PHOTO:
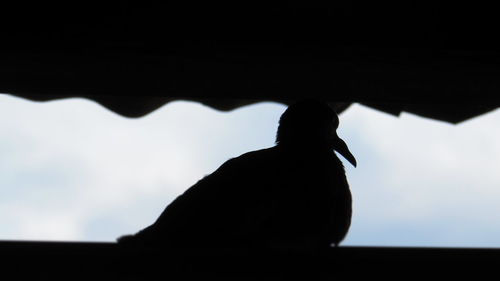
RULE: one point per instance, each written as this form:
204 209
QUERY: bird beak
341 147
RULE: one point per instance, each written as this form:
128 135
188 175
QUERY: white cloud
427 180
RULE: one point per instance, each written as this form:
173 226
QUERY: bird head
311 124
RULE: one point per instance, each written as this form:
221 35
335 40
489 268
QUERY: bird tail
127 240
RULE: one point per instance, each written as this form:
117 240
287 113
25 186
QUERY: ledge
95 260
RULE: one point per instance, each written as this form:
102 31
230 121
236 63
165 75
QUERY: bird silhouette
292 195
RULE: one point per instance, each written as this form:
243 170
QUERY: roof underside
435 59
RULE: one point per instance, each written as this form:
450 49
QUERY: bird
293 195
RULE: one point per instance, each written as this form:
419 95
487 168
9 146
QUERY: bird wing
213 210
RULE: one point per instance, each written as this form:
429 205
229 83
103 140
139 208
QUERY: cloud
424 182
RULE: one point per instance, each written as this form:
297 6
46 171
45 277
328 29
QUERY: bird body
286 196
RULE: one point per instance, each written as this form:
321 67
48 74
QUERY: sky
71 170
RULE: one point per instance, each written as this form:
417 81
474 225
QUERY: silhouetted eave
135 56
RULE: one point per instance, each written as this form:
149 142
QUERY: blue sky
72 170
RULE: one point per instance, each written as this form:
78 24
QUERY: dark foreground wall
107 261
